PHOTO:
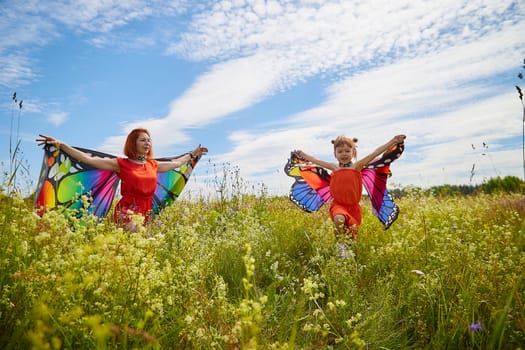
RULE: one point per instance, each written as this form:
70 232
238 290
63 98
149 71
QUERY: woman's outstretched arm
97 162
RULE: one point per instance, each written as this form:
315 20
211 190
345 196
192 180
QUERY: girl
346 181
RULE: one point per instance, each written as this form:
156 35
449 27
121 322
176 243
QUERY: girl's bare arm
380 150
321 163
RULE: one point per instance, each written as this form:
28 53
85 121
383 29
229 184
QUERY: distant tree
453 190
509 184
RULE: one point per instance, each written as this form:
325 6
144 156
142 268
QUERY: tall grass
254 272
15 176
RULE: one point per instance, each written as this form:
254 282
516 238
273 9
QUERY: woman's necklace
141 158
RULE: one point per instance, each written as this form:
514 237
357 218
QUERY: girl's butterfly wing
66 182
383 206
388 157
311 188
171 183
375 176
306 198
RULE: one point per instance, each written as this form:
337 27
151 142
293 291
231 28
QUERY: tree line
507 184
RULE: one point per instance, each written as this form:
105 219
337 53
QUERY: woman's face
143 144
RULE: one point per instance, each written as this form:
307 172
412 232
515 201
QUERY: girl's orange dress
346 186
138 183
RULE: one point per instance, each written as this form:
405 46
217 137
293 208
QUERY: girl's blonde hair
350 142
343 140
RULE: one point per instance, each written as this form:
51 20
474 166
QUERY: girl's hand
399 139
302 155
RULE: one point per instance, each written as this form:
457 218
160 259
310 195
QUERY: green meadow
255 272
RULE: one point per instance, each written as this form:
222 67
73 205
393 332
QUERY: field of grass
255 272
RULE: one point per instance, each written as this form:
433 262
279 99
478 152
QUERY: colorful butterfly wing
383 206
65 182
311 188
388 157
375 176
171 183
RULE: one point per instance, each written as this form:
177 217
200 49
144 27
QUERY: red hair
130 147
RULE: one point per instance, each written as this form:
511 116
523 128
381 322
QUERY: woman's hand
198 151
47 140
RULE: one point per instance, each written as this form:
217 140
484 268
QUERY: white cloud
15 70
105 16
282 45
29 25
444 103
340 34
57 118
226 88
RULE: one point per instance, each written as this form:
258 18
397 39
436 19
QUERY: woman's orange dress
137 186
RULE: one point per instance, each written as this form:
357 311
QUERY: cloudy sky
253 80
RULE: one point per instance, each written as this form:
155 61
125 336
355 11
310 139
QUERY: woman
137 172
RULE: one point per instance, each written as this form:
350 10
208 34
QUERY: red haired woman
138 172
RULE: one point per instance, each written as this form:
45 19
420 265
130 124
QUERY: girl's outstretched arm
322 163
380 150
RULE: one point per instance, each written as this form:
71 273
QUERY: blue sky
253 80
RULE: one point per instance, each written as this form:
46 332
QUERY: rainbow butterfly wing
311 188
171 183
375 176
65 182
